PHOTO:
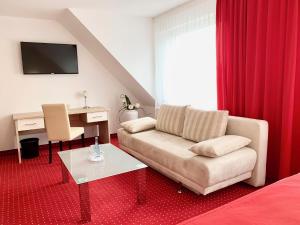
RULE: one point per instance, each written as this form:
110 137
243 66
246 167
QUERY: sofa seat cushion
172 152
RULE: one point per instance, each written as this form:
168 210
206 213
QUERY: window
186 56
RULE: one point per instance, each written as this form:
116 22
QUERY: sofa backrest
257 131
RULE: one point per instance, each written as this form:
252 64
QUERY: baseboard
88 141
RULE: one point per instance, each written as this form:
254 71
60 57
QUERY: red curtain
258 72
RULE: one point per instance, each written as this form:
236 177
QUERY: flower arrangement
127 105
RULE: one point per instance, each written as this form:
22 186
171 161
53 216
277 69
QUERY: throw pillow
220 146
202 125
170 119
138 125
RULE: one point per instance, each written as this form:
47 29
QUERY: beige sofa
169 154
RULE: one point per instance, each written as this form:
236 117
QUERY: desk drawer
96 117
31 124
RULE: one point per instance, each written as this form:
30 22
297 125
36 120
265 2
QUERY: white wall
128 38
20 93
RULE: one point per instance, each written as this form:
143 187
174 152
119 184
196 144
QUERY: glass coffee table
76 162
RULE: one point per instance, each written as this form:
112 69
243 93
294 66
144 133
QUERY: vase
129 115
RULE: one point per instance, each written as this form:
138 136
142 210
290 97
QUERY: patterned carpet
32 193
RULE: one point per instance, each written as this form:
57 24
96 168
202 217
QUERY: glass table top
83 170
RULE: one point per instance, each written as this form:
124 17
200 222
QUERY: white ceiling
51 9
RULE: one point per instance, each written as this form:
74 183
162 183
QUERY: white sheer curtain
185 60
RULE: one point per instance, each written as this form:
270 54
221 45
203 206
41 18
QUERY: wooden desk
33 122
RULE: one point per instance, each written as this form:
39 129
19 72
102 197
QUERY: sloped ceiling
88 39
128 38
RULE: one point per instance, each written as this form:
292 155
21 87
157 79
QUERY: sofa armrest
257 132
138 125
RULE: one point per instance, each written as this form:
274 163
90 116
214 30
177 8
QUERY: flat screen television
49 58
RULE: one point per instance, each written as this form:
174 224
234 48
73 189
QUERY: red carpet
32 193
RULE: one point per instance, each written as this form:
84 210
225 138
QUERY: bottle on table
97 147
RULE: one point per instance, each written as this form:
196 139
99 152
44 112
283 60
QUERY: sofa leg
179 188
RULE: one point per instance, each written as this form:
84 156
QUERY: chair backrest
57 122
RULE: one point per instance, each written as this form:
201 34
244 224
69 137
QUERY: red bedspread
276 204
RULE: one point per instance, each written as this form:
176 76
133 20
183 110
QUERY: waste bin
30 148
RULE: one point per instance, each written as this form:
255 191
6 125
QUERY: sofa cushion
202 125
170 119
138 125
220 146
172 152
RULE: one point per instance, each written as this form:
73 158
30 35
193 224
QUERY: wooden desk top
30 115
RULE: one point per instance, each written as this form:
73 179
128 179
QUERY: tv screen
48 58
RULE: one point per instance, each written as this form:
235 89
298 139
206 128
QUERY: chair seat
75 132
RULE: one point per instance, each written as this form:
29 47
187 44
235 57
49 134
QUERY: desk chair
58 126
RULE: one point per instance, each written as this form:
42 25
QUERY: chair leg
82 140
70 144
50 152
60 145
